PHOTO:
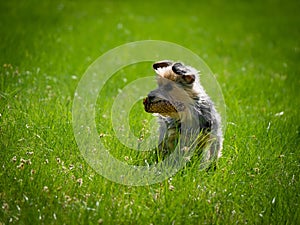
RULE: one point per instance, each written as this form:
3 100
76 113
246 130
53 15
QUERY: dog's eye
168 87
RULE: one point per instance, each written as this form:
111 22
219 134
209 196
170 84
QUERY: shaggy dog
188 119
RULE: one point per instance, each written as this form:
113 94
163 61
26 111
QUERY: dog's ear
185 72
179 69
189 79
161 64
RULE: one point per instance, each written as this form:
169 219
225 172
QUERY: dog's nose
151 97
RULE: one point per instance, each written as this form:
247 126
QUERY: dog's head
175 89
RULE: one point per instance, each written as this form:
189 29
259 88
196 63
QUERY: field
253 49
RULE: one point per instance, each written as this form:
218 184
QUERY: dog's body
187 115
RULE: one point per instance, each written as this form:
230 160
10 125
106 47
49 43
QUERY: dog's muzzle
161 106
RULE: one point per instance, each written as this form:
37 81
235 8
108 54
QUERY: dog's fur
195 121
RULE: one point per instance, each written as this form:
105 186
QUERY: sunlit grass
253 48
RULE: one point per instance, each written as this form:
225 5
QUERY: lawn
253 49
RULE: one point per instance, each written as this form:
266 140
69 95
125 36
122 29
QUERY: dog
187 117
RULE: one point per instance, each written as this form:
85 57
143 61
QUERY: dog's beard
163 107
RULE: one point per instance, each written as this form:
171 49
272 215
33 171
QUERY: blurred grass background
252 47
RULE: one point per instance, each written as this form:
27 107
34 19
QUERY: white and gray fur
180 85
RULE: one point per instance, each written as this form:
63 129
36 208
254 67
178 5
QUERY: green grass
254 50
